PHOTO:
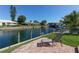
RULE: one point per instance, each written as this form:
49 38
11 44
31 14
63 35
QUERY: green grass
51 35
72 40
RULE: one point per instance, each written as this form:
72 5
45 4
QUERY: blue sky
51 13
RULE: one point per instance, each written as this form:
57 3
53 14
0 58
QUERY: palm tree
12 12
71 20
61 22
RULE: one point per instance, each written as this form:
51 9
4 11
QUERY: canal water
8 38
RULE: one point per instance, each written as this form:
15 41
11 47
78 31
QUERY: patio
32 48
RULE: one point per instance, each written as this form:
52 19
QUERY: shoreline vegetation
13 47
20 27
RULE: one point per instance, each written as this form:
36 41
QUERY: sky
50 13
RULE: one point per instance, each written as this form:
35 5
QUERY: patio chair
47 42
39 44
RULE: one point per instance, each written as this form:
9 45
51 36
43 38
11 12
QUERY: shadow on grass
69 34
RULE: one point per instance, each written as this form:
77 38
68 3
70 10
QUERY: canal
8 38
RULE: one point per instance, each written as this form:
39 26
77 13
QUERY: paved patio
32 48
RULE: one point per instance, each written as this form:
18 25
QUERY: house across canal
7 23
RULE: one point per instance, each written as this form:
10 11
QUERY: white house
7 22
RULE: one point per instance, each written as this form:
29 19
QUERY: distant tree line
22 18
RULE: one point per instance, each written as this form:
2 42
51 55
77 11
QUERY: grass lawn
72 40
51 35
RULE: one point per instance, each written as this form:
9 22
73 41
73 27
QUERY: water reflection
8 38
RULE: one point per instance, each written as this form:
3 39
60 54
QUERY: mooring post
18 37
31 33
40 31
46 30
